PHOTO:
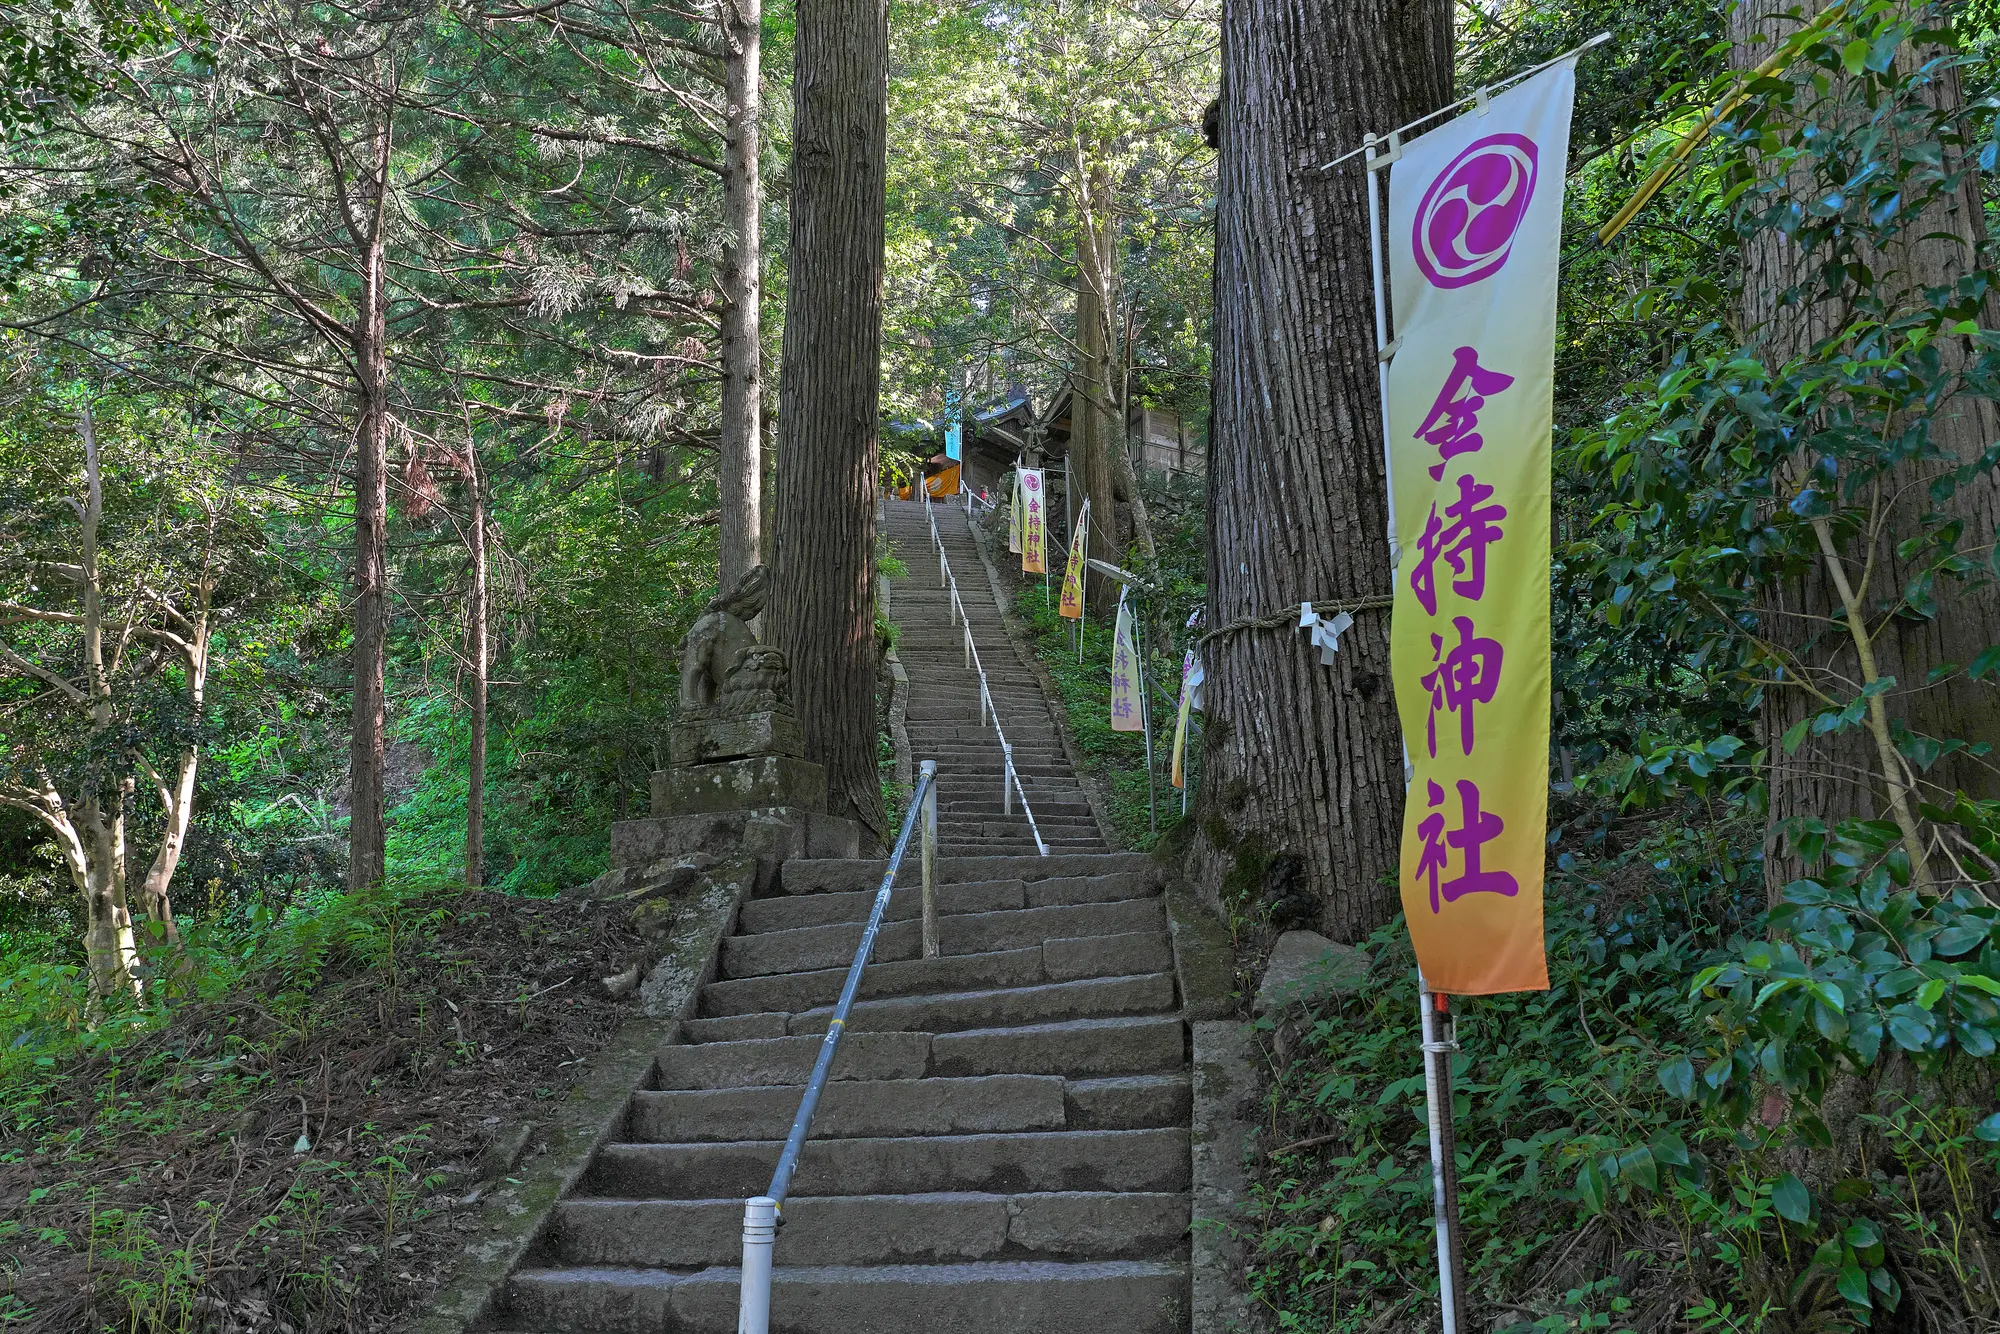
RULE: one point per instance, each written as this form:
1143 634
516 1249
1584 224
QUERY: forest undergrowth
1603 1183
300 1142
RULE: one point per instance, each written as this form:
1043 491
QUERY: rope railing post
761 1215
929 856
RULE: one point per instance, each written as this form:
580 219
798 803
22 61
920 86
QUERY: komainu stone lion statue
725 672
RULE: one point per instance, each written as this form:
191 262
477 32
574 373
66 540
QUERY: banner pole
1145 715
1444 1208
1082 540
1383 348
1437 1055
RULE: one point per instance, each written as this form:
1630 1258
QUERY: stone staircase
1005 1144
943 714
1004 1148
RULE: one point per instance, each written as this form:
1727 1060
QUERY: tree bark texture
1092 434
1304 763
110 949
823 609
476 651
739 470
1841 775
366 866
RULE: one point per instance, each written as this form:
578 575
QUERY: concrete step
815 947
1094 1160
996 1297
805 876
939 1227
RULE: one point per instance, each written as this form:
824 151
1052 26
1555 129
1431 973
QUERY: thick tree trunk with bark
739 469
1304 762
823 610
1093 438
1842 775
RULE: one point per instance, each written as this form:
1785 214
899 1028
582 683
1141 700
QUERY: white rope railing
1010 779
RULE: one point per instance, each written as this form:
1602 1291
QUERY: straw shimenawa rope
1290 615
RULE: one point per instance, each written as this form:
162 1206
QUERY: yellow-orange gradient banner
1072 589
1475 214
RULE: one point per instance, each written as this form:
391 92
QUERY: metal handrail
760 1215
1010 778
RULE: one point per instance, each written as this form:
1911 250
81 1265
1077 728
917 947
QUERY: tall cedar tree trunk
1092 438
823 611
476 651
739 467
1841 775
1304 762
366 841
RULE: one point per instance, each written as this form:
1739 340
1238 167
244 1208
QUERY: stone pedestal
736 785
770 836
699 740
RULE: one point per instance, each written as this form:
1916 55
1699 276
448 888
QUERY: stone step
977 896
1046 806
962 798
953 1012
964 760
810 875
852 1109
963 768
875 1109
939 1227
792 992
785 914
1055 960
1015 826
996 1297
1024 846
1073 1048
714 1065
1007 688
1144 1160
813 947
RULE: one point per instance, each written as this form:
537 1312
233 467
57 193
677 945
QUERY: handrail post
760 1234
968 645
930 824
1007 778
